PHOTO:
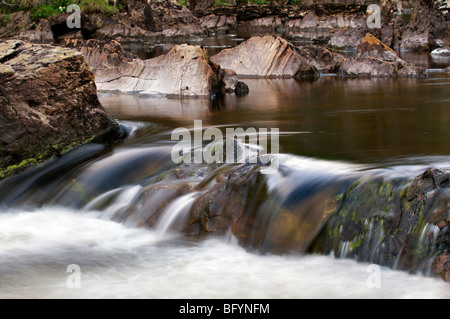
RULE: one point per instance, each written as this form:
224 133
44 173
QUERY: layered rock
375 59
185 71
48 105
266 56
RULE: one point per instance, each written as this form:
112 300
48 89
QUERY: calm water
328 127
376 121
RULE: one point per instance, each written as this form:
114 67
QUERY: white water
119 262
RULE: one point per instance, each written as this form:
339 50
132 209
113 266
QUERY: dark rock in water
241 89
375 59
49 105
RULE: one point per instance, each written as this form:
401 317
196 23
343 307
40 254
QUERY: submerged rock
375 59
49 104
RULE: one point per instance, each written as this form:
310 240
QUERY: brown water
372 121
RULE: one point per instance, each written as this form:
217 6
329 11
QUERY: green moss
4 18
14 169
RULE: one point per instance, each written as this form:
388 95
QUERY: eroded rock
266 56
375 59
48 104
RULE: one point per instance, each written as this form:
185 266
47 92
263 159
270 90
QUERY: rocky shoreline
416 26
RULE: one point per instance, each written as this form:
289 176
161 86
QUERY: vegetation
45 9
4 18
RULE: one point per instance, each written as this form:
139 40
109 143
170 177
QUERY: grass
4 18
40 9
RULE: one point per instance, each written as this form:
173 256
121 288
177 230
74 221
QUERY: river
63 233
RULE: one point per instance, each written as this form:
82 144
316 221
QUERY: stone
441 52
323 59
185 71
265 56
49 105
375 59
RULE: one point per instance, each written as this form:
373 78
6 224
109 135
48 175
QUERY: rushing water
87 208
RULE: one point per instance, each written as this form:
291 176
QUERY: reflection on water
368 120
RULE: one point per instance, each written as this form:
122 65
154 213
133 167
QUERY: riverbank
415 25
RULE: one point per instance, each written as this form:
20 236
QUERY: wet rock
214 22
241 89
230 80
375 59
396 222
185 71
427 29
441 266
323 59
49 104
267 56
441 52
231 204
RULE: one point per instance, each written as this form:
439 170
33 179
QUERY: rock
149 19
49 105
375 59
267 56
214 22
427 28
100 55
323 59
200 7
393 222
441 52
185 71
230 80
241 89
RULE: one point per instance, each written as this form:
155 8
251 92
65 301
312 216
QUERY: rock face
48 105
185 71
147 20
266 56
394 222
375 59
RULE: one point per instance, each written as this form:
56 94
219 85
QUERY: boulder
265 56
49 105
323 59
185 71
375 59
394 222
444 52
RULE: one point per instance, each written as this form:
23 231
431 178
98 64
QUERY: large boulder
266 56
375 59
185 71
49 104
